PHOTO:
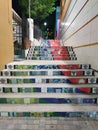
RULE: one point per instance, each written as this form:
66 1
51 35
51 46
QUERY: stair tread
48 108
46 77
27 70
47 95
58 85
45 62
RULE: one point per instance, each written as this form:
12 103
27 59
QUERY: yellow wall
6 34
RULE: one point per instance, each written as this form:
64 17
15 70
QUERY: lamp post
29 9
45 31
30 21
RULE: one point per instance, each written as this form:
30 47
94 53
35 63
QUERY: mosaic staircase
49 83
50 50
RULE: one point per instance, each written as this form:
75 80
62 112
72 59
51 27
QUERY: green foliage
40 9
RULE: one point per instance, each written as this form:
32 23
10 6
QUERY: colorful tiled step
51 72
51 58
51 50
28 100
52 47
48 90
54 55
83 115
49 66
42 79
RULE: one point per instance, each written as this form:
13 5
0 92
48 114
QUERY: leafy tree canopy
40 9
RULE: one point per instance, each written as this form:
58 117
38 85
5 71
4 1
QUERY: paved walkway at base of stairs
49 123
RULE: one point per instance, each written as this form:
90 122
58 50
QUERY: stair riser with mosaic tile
48 80
51 53
83 115
59 66
48 73
51 58
51 49
48 100
48 90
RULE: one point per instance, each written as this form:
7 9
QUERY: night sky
15 6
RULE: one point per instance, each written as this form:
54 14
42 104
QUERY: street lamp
45 24
45 32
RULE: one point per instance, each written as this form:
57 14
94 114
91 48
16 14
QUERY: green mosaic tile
34 58
3 100
15 100
21 73
26 114
24 67
34 100
20 90
15 81
26 90
7 90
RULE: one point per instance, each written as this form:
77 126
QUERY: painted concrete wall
80 30
6 34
